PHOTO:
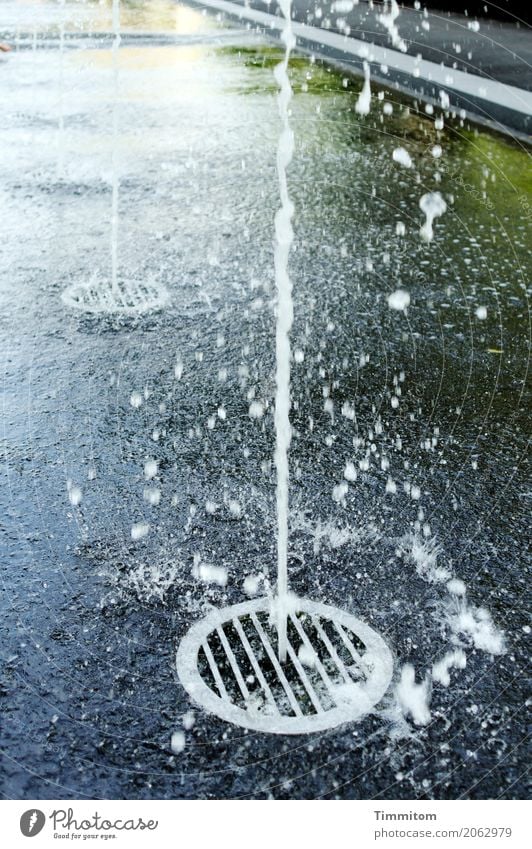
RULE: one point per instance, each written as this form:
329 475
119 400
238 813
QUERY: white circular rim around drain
377 661
97 297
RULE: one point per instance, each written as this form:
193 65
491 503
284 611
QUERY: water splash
363 103
433 205
402 156
414 698
387 19
283 240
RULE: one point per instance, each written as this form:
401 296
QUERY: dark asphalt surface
90 619
496 50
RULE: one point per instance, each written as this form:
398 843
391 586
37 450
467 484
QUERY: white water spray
283 240
114 167
387 18
61 117
127 297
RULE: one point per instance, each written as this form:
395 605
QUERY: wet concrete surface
90 618
414 53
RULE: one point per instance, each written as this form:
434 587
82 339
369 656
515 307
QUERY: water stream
61 105
115 178
285 313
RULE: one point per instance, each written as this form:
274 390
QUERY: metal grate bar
255 664
350 648
276 665
332 651
215 671
313 696
232 660
319 666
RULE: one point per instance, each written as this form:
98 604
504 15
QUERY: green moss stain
306 77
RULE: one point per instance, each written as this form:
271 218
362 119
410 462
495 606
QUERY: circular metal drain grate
337 667
133 298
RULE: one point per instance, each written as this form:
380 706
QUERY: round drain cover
337 667
130 297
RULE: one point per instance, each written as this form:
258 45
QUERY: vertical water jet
114 164
61 104
298 691
283 240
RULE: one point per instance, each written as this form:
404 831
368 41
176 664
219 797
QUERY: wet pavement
480 68
476 44
91 618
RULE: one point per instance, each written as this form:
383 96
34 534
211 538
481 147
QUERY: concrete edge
500 107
